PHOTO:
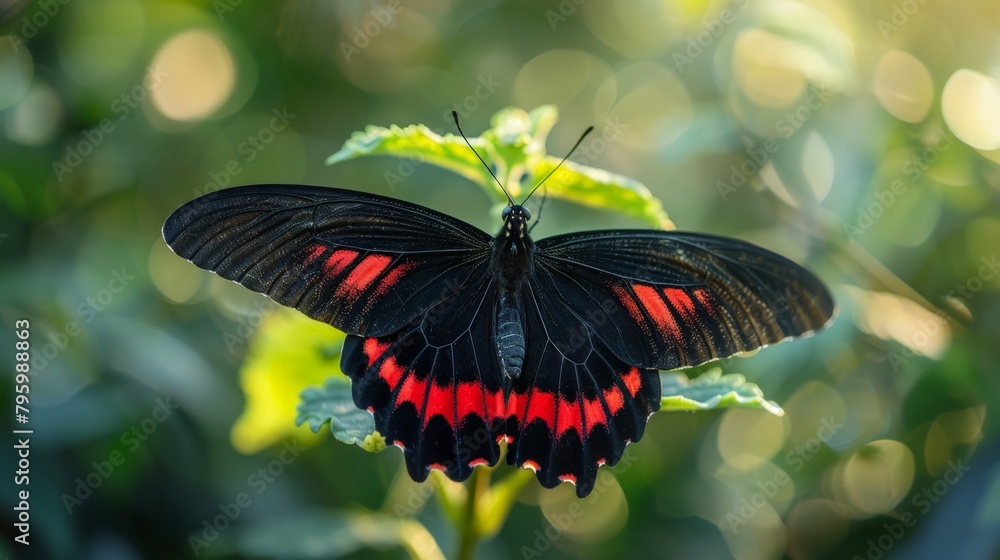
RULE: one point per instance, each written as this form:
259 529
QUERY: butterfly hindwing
363 263
434 390
575 405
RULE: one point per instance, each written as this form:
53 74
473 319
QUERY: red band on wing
374 350
392 278
705 298
633 381
440 402
681 300
614 399
471 400
593 413
542 405
629 303
362 276
657 309
391 372
338 261
313 252
569 417
412 391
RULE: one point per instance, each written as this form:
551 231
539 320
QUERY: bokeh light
877 477
904 86
198 76
971 105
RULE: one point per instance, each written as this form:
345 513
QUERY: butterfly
459 341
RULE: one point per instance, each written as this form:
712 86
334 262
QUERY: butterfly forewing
665 300
363 263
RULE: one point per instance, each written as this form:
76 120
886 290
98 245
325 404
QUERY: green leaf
602 189
515 146
422 144
288 351
333 403
711 390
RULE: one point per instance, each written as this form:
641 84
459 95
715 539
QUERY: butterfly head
515 221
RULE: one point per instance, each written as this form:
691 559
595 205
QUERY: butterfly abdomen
510 336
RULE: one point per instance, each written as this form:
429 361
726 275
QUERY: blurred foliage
859 138
289 352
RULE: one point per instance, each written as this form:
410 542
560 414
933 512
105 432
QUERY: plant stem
469 538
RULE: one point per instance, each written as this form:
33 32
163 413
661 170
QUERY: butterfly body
460 341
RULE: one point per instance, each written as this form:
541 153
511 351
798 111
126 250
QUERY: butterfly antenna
538 217
554 169
454 115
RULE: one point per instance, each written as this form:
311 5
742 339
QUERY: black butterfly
459 340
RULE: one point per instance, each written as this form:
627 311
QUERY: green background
859 138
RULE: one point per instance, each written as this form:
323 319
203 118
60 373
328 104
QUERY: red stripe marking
633 381
363 275
657 309
705 299
437 467
515 405
374 349
602 462
569 417
471 400
495 406
529 464
630 305
392 278
479 463
440 402
338 261
391 372
681 300
412 391
614 399
399 444
315 251
593 413
542 404
571 478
